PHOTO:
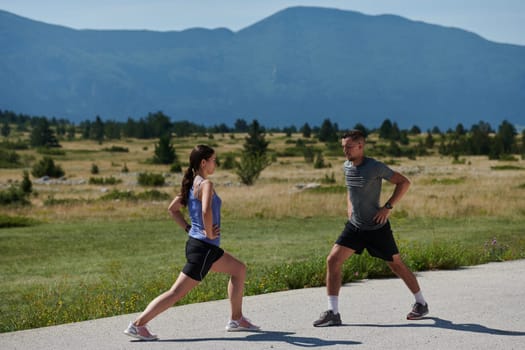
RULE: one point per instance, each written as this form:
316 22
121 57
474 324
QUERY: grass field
87 258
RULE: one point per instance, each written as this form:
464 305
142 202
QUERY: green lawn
58 273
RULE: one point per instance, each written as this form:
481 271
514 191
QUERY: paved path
481 307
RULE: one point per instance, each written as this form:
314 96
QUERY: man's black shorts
199 258
379 243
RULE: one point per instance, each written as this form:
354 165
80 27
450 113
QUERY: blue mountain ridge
302 64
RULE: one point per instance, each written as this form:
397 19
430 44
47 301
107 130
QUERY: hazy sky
496 20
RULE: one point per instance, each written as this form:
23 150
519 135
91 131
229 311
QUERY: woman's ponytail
199 153
187 182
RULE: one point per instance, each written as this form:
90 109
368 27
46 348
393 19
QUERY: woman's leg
180 288
237 271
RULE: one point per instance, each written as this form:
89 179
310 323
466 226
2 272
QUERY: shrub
506 167
229 161
176 167
308 153
18 145
250 167
94 169
151 179
319 161
9 159
62 201
116 149
26 186
51 151
17 194
13 195
118 195
153 195
47 167
104 180
329 179
16 221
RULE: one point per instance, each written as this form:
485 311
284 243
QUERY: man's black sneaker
328 318
418 311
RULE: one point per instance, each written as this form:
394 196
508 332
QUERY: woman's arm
207 213
176 214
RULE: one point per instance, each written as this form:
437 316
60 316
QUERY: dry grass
439 188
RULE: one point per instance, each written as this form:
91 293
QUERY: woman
202 248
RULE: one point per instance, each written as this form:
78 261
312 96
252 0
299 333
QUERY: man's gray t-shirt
364 188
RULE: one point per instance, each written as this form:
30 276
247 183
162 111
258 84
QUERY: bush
151 179
13 195
50 151
18 145
308 154
94 169
116 149
9 159
152 195
16 221
250 167
319 161
47 167
17 194
104 180
176 167
26 186
229 161
118 195
51 200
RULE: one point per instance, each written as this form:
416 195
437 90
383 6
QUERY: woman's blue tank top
197 224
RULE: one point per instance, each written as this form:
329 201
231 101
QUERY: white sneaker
140 332
243 324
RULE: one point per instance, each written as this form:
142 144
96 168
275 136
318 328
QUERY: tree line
480 139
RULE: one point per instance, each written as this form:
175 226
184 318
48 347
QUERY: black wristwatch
388 205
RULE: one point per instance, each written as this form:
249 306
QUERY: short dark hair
354 135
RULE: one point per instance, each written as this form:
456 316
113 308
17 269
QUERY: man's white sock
419 298
333 303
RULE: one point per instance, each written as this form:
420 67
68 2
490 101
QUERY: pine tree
42 135
164 151
254 159
328 132
26 186
6 129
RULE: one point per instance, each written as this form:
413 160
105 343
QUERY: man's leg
402 271
420 307
334 264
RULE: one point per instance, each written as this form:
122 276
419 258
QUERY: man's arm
401 187
349 207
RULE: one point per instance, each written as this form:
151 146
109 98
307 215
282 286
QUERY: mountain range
302 64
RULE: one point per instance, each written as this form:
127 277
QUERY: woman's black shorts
199 258
379 243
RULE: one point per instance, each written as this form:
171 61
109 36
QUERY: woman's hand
216 232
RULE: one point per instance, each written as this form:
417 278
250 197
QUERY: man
368 226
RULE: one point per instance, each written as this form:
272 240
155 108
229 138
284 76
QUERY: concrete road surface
480 307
